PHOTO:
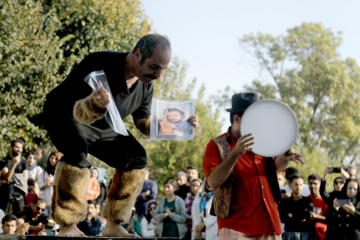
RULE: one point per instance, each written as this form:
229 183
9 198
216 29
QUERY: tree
308 74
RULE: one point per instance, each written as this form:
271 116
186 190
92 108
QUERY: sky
205 34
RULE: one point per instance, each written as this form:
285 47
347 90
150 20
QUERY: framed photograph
169 120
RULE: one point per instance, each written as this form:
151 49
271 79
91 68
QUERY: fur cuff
68 204
85 111
125 187
145 126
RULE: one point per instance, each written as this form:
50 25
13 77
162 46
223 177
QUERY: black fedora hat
241 101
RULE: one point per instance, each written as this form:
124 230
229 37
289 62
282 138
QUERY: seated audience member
171 213
289 173
183 187
344 214
35 216
319 207
9 224
31 196
34 170
93 191
338 185
148 192
133 225
148 223
92 225
204 225
296 212
195 188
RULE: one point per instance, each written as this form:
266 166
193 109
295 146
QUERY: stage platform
33 237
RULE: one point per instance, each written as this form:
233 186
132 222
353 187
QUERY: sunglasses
337 182
39 208
151 208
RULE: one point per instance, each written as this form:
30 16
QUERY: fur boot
85 111
68 203
125 187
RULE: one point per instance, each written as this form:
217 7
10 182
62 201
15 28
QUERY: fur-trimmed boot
125 187
68 203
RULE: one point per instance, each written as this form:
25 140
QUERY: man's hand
243 144
101 98
145 194
292 155
194 121
16 160
22 228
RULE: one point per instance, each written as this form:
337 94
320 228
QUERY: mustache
153 77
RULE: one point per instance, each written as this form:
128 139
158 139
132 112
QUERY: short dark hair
314 176
17 141
91 202
149 42
8 218
173 183
291 171
296 176
192 167
39 200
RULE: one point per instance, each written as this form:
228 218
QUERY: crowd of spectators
307 211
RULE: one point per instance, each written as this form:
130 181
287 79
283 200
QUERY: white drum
273 125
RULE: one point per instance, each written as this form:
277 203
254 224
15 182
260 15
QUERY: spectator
195 188
2 214
280 179
9 224
31 196
344 214
92 225
93 191
183 187
34 170
171 213
35 216
204 225
12 197
133 225
351 171
148 193
319 207
148 223
338 185
289 173
46 179
296 212
102 181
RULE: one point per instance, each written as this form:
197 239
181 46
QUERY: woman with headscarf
344 214
46 179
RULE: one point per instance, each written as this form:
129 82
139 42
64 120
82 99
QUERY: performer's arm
143 125
91 108
219 175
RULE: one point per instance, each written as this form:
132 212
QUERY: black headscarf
49 168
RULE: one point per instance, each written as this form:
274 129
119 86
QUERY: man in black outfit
74 119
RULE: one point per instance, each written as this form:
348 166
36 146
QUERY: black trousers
75 141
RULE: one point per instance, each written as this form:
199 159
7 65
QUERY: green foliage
41 42
308 74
